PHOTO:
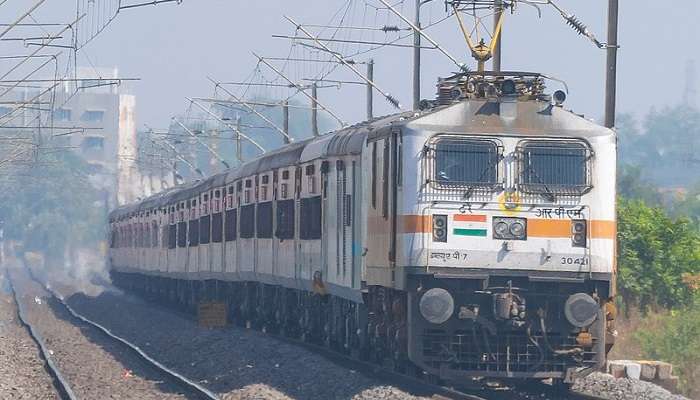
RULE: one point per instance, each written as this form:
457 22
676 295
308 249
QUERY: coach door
217 232
381 215
310 223
344 200
264 226
230 231
153 240
172 239
193 235
181 252
246 234
204 232
285 223
163 244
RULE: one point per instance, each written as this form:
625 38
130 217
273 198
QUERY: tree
53 207
631 185
654 252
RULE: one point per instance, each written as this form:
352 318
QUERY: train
474 238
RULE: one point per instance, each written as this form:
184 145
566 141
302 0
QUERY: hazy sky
172 48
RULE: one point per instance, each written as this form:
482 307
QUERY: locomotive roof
473 116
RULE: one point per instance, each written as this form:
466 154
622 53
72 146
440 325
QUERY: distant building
109 143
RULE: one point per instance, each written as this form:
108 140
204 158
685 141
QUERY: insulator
577 25
390 28
392 100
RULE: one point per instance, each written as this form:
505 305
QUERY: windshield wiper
548 194
472 187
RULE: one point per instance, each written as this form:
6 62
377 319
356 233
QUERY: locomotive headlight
507 228
501 229
437 305
579 230
439 228
581 310
517 229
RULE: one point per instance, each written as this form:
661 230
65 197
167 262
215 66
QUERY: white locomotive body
473 238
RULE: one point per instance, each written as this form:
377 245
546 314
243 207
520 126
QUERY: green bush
654 252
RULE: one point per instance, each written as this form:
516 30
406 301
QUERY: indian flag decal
469 225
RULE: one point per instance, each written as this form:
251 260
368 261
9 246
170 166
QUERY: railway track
60 383
416 386
190 389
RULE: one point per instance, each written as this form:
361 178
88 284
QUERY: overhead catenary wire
22 17
284 134
200 141
235 129
391 99
302 90
462 66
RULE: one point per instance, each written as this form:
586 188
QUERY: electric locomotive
472 238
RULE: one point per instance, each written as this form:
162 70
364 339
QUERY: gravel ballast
95 366
234 362
245 364
22 373
606 386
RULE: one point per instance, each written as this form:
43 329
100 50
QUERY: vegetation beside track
659 241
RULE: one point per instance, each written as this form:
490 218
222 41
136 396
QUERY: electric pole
416 58
497 47
314 109
285 120
611 70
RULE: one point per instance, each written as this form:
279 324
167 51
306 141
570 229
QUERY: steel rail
59 382
201 390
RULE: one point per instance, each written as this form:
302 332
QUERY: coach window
147 235
181 234
264 220
229 197
311 178
231 225
139 233
310 218
154 233
217 224
248 190
165 236
265 180
248 221
284 186
193 226
463 162
172 234
285 219
205 229
554 167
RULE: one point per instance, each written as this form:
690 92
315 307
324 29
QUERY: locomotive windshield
554 167
460 162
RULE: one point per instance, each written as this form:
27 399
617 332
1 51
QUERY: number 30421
574 261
